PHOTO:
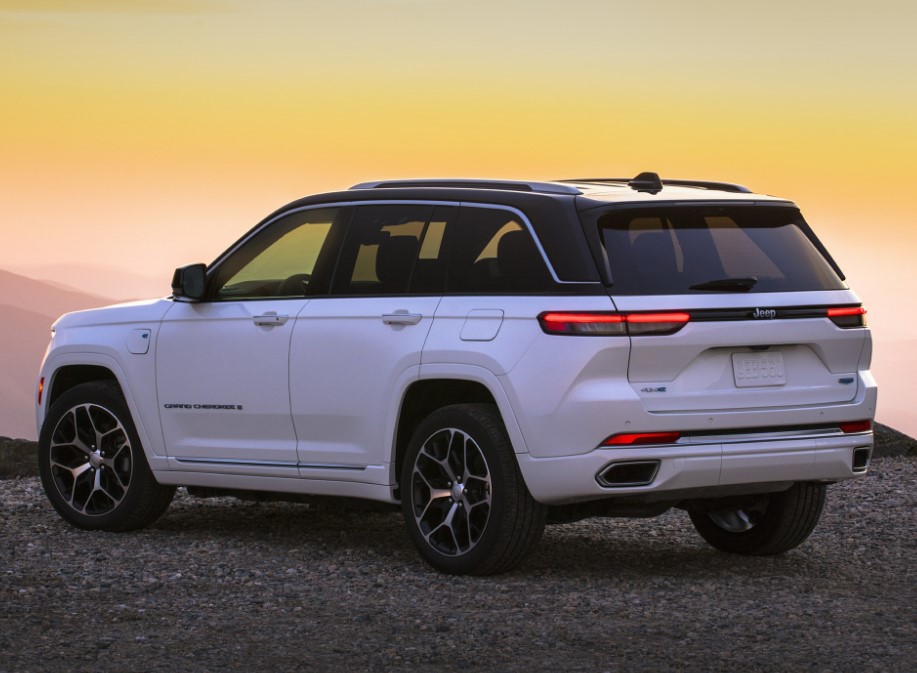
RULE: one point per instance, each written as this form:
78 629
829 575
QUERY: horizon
151 134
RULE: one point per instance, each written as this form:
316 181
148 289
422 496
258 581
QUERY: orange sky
150 133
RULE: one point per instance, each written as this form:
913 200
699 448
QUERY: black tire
771 524
92 464
465 504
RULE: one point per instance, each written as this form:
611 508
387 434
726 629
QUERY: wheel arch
428 394
72 375
67 370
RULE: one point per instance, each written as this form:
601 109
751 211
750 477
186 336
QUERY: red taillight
642 438
41 389
656 323
848 316
596 324
613 324
856 426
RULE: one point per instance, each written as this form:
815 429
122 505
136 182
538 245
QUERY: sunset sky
151 133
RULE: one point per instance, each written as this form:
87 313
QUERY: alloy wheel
452 492
90 459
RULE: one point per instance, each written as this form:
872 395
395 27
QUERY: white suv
492 356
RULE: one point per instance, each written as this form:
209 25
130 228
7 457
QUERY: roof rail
703 184
513 185
709 184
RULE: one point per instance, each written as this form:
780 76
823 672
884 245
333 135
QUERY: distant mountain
29 307
43 297
94 279
20 356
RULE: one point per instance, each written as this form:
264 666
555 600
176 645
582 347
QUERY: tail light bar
590 323
848 316
613 323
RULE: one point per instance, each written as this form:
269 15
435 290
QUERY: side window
285 259
393 249
492 252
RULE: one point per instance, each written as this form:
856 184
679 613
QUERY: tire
465 504
92 464
772 524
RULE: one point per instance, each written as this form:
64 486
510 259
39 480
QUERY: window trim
214 266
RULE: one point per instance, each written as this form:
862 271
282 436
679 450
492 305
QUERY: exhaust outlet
629 473
860 459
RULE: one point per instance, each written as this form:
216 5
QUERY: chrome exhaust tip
628 473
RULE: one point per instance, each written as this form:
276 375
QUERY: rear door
353 352
763 318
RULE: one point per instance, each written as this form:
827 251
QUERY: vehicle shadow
663 547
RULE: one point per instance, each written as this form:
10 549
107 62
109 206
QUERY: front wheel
465 504
92 465
770 524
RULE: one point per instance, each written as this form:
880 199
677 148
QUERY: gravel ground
221 585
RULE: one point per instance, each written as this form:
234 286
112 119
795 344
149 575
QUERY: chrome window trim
402 202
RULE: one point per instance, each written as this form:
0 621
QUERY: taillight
848 316
584 323
852 427
656 323
595 324
642 438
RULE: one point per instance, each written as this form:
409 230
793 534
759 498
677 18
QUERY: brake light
597 324
639 324
642 438
855 426
584 323
848 316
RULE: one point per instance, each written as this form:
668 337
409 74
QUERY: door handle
401 318
270 319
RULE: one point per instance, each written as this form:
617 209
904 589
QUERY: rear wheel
770 524
92 465
464 501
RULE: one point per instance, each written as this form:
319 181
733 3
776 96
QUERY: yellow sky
151 133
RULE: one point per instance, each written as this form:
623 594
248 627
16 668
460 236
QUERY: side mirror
188 282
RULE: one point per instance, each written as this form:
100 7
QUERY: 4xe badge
764 313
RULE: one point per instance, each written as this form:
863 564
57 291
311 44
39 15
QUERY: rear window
692 249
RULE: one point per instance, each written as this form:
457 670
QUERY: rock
18 458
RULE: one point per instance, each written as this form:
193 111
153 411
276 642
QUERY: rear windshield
704 249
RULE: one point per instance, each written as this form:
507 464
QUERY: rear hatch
755 312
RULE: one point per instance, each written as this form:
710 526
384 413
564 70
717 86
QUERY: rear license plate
758 369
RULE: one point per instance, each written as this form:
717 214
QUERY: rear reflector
856 426
848 316
612 324
642 438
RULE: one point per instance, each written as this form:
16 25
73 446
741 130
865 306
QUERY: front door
223 363
223 378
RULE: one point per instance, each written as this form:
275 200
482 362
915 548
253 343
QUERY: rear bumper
685 466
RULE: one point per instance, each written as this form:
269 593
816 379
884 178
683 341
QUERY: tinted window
708 249
493 252
283 259
394 249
